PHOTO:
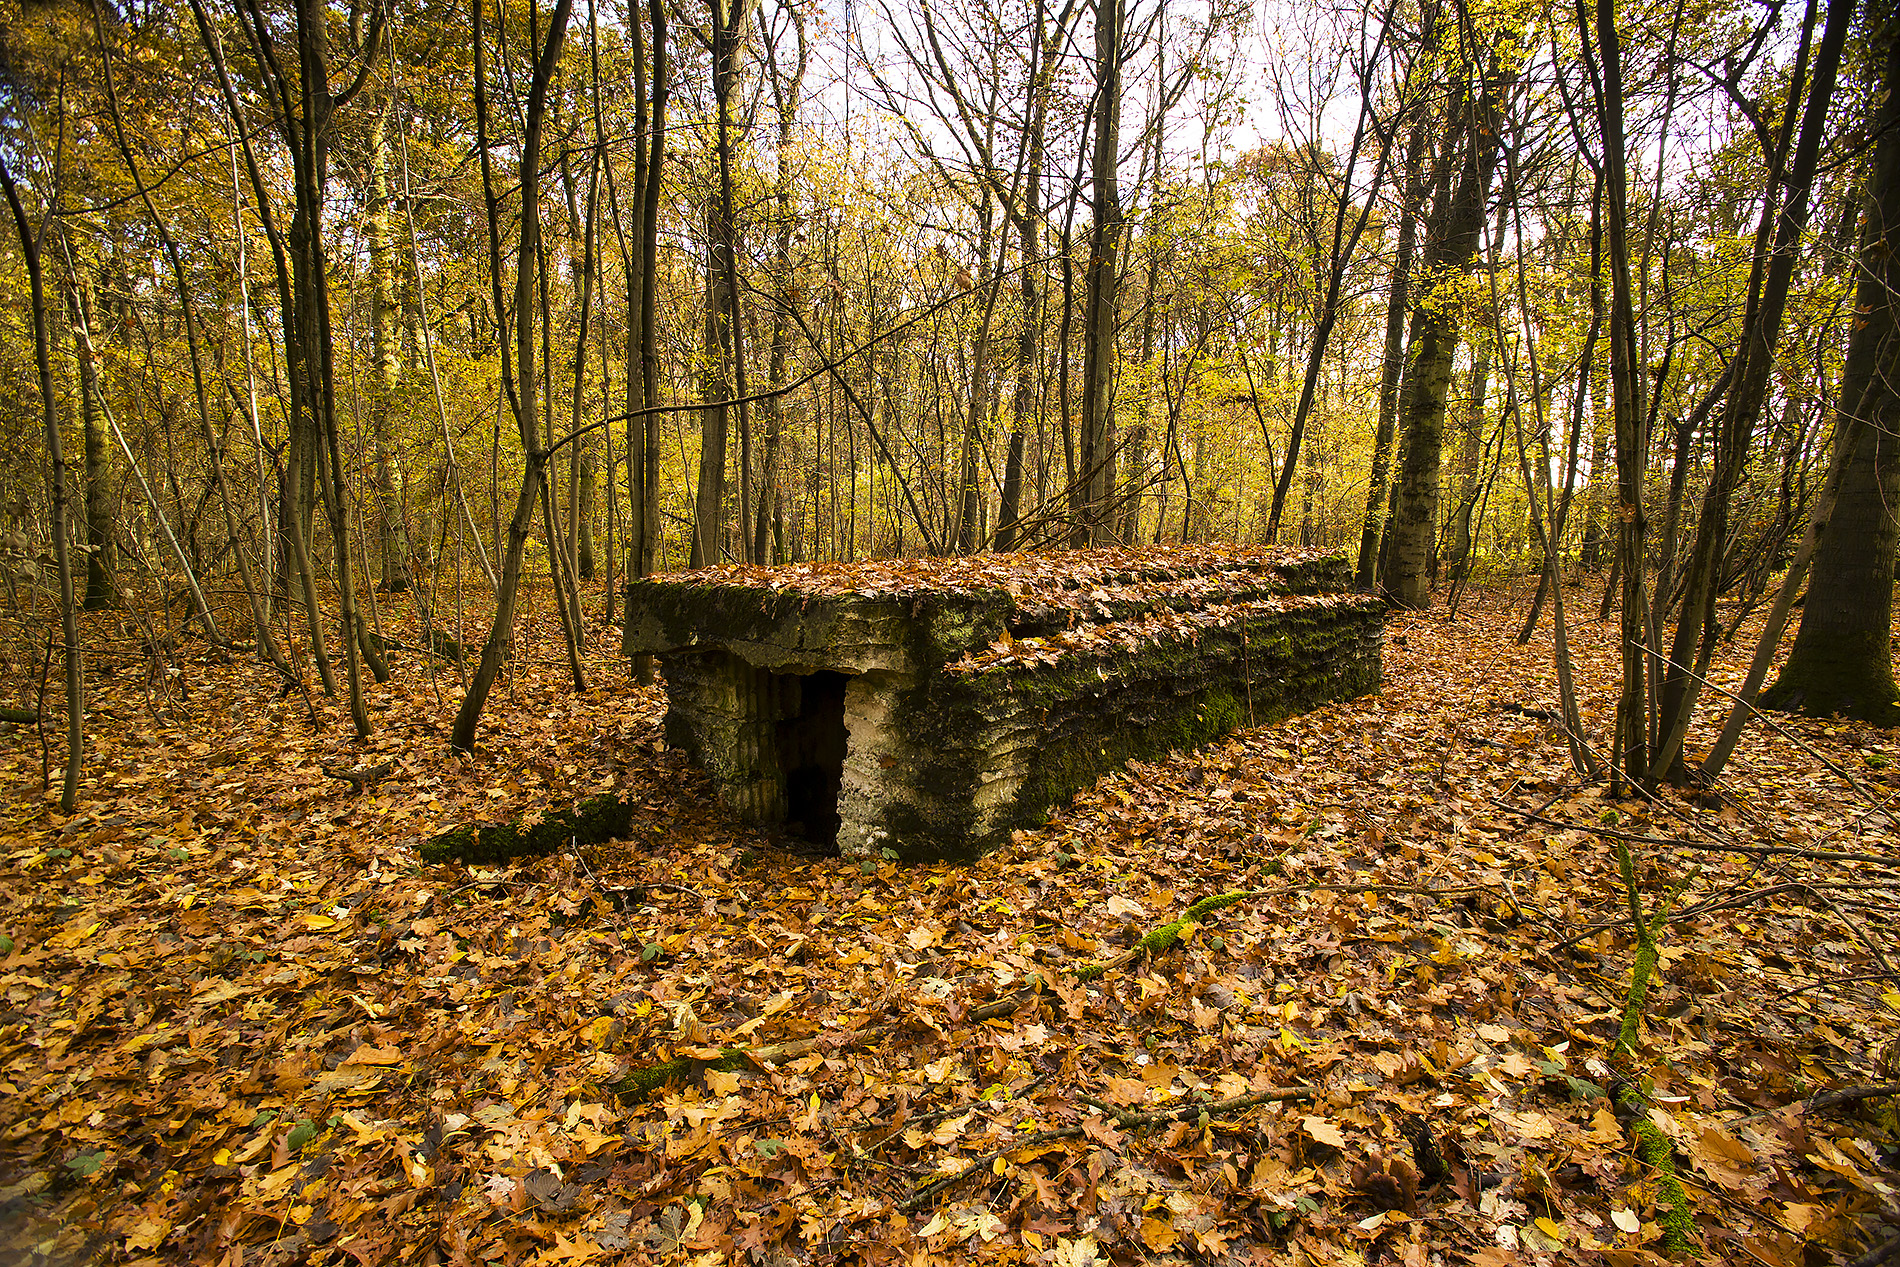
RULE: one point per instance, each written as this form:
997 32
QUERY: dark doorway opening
811 750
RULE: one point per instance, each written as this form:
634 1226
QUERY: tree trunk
1471 439
768 541
1433 343
1095 476
1397 301
1842 660
1630 746
49 417
1771 277
581 476
527 265
392 536
1028 353
587 486
643 363
724 334
649 286
714 419
100 561
969 490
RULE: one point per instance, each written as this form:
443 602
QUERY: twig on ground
1827 981
1609 833
1886 1251
1213 1108
359 777
1822 1101
1016 1096
1860 934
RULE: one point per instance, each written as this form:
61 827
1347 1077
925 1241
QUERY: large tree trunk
318 109
964 529
49 418
1022 401
303 109
643 362
649 287
1842 660
1433 343
1128 530
586 484
768 540
582 479
1630 755
709 497
1028 221
1470 452
1770 280
724 333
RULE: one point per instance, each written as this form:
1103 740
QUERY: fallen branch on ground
360 776
1822 1101
597 818
1707 846
644 1081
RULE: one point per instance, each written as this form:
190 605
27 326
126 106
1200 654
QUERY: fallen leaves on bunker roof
1063 577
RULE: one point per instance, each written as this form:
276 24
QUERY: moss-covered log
596 819
1673 1212
1164 936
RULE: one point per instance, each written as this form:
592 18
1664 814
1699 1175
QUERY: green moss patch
596 819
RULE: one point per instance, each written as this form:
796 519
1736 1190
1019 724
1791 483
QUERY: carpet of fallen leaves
242 1025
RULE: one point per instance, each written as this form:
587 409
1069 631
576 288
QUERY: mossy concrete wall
970 708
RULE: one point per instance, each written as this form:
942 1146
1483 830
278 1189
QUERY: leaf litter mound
243 1025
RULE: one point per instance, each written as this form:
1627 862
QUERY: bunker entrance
811 752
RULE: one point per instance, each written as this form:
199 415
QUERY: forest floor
243 1025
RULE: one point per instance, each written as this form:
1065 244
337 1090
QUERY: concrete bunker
924 708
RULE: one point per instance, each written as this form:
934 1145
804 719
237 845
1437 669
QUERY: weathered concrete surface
926 708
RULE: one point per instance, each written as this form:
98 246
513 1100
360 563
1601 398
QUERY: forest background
342 340
340 305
